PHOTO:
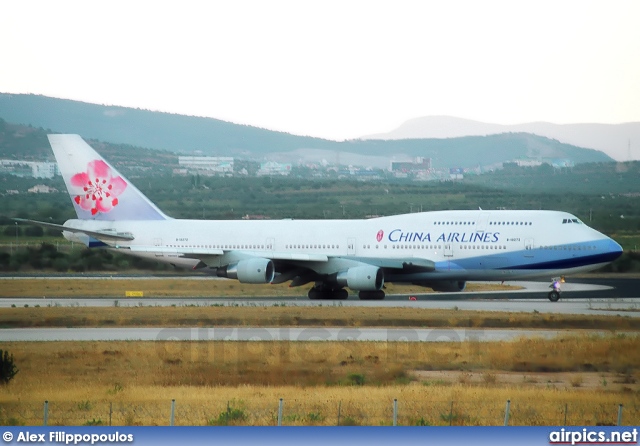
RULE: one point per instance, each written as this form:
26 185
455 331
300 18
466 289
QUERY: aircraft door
157 242
448 250
481 225
528 247
271 244
351 246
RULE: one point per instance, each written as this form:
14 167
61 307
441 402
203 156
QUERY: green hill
178 133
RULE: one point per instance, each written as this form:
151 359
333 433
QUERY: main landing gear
371 295
328 293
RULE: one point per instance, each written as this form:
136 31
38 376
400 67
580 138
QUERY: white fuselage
464 245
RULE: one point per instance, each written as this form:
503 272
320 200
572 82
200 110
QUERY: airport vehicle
441 250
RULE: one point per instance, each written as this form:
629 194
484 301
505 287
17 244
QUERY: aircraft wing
214 257
406 263
208 256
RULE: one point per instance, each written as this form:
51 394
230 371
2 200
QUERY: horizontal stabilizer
105 235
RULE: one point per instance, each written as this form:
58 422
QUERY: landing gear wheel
554 296
371 295
325 294
341 294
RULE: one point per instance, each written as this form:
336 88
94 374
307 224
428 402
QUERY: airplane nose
614 249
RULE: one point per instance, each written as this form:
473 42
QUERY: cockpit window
571 220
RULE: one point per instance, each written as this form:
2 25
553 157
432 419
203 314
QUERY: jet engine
363 278
255 270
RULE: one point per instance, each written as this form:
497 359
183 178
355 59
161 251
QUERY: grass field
583 378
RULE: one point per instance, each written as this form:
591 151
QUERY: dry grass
457 404
331 315
196 286
139 379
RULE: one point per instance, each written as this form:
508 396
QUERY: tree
34 231
8 368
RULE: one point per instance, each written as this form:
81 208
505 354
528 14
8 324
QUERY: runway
589 296
309 334
614 297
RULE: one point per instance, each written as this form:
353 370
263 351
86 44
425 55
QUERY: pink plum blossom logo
100 189
379 235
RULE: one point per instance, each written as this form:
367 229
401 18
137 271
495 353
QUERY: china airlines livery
441 250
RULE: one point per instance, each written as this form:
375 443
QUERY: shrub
230 416
61 265
315 417
34 231
356 379
93 422
8 368
421 422
349 421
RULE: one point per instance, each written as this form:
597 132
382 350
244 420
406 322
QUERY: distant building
29 168
256 217
44 170
273 168
419 164
559 163
368 174
528 163
456 173
42 189
207 165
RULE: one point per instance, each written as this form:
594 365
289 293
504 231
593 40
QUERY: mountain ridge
612 139
209 136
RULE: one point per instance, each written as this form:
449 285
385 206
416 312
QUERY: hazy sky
333 69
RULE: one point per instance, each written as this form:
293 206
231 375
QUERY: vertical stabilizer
97 190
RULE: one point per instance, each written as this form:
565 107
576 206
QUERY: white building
42 189
528 163
37 169
207 164
44 170
273 168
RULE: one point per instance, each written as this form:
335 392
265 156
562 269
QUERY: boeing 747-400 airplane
441 250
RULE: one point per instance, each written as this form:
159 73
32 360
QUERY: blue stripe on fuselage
573 262
563 257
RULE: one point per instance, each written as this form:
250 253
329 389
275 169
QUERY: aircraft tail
97 189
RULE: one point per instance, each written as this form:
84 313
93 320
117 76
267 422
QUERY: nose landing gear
554 294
